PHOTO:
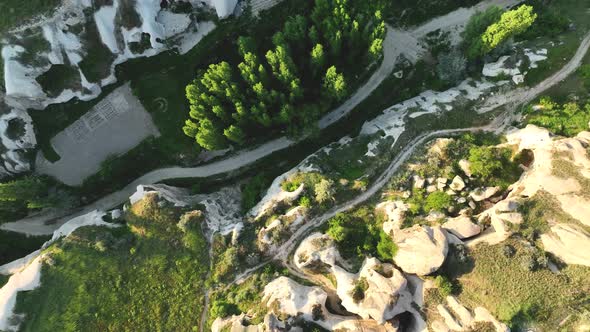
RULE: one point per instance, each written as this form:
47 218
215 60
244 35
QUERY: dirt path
39 224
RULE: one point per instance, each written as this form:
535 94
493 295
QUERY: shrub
437 201
386 248
451 67
444 285
358 292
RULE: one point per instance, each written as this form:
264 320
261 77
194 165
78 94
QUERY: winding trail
397 42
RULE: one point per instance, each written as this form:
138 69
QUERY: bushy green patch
488 30
358 291
444 285
522 297
567 119
359 234
151 267
438 201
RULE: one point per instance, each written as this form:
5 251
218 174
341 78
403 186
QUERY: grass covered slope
146 276
500 280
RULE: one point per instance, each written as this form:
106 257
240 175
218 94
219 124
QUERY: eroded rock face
569 242
421 249
395 213
378 291
462 227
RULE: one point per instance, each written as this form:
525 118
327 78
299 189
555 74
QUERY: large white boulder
421 249
462 227
481 194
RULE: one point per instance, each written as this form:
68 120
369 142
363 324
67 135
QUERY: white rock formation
26 279
395 212
291 298
316 250
421 249
386 295
569 242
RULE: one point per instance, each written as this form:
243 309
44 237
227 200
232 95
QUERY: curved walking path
395 43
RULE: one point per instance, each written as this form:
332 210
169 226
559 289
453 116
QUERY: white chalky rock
421 249
387 294
457 184
465 166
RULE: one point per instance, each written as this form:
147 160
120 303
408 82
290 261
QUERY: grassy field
147 275
523 298
15 12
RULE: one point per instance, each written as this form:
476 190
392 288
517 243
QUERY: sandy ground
114 126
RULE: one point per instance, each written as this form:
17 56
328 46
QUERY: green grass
146 276
15 245
539 299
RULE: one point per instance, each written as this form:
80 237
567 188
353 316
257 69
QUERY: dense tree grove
286 87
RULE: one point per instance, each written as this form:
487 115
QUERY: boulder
465 167
457 184
421 249
462 227
481 194
395 213
419 182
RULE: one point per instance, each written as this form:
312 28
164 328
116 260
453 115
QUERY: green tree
295 30
234 134
246 45
335 84
32 191
210 136
477 25
318 58
511 23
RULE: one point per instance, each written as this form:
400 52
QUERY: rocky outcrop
421 249
481 194
286 297
395 212
378 291
568 242
317 253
